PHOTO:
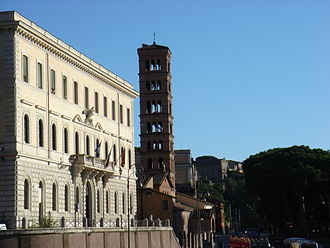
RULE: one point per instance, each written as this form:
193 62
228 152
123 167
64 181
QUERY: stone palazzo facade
66 133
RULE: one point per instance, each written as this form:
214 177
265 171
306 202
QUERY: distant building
214 169
66 133
185 172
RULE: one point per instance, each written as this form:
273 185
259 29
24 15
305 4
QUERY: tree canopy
290 184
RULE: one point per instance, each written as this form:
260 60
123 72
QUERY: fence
49 222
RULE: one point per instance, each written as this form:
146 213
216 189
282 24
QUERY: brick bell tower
156 119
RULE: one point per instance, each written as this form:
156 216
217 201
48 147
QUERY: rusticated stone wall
89 238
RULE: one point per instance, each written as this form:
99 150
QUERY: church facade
66 133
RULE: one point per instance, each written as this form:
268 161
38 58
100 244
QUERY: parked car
296 242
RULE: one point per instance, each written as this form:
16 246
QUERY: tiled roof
202 213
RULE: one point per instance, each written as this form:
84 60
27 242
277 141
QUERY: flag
122 156
97 150
106 162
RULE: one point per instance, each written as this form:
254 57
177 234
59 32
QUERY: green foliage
239 206
207 158
281 179
46 222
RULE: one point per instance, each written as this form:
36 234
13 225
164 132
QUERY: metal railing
90 161
62 223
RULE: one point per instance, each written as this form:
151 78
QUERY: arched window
76 137
26 129
161 164
97 150
149 145
154 107
153 85
66 198
54 197
66 140
158 85
116 203
107 202
26 194
41 133
159 107
114 154
87 145
154 145
158 65
54 141
148 110
148 85
160 127
153 65
98 201
123 199
149 164
147 65
154 127
160 145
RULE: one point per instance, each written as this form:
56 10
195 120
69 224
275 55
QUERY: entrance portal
89 204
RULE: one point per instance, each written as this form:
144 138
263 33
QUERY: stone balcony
88 167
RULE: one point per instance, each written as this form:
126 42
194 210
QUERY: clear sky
247 75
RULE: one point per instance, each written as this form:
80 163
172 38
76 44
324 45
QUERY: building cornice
55 46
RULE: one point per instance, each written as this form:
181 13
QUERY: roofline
26 24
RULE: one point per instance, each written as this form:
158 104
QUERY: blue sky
247 76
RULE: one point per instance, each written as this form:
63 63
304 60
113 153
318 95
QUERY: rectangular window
96 102
75 91
65 87
25 69
121 114
52 81
105 106
86 98
128 117
113 110
165 205
39 75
